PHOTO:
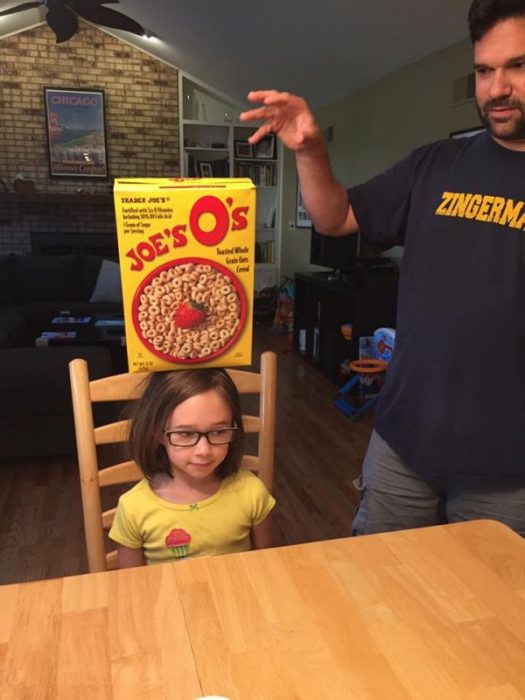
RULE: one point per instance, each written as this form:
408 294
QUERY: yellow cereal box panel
187 258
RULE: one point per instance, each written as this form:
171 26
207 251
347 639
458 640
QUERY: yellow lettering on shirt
521 222
442 208
462 202
497 208
483 207
473 206
511 213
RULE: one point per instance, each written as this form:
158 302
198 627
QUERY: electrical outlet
291 226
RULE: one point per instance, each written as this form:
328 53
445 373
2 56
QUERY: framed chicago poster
76 133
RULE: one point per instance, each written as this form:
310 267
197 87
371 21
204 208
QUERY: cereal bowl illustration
189 310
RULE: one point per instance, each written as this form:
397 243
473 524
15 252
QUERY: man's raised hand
284 114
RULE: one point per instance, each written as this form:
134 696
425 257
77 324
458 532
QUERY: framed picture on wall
243 149
302 218
266 147
205 168
76 133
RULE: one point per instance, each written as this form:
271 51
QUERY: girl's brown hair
164 391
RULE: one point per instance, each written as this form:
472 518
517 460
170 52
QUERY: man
449 438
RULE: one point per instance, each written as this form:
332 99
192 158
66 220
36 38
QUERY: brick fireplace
142 129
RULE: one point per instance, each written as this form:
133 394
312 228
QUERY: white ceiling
321 49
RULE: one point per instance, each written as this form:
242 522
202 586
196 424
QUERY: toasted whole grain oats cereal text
189 311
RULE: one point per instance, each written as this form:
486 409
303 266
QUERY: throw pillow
108 286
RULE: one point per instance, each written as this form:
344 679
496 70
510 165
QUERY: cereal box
186 249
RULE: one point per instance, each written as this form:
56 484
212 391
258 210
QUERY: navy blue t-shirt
454 400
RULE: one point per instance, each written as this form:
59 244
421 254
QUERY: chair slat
251 463
107 518
252 424
119 474
112 432
246 382
119 387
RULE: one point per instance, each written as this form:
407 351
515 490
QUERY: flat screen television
342 253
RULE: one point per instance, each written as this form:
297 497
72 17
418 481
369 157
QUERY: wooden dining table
437 612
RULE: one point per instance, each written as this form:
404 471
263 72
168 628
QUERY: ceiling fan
62 16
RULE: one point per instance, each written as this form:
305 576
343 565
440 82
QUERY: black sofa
34 288
36 413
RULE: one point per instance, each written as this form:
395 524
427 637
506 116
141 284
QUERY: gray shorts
393 497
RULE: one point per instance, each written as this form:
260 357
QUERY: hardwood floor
318 454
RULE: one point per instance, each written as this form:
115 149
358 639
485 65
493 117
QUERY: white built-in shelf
206 148
222 126
257 160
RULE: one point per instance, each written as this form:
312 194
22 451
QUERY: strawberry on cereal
189 314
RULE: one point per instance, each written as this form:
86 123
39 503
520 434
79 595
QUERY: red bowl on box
147 281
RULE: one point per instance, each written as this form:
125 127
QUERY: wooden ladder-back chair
126 387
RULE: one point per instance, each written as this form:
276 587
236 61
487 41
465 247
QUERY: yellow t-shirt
218 525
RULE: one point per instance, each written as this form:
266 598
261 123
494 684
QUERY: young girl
187 436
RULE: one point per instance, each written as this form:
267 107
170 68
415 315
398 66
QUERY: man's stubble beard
509 130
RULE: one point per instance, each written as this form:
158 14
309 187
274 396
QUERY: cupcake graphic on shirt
178 541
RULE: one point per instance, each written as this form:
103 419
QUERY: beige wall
380 124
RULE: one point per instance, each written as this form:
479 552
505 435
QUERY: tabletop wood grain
432 613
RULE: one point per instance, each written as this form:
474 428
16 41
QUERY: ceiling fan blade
81 5
63 22
21 8
111 18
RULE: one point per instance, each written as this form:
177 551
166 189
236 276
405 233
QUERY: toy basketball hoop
368 369
365 372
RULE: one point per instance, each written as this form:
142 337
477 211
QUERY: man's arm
291 119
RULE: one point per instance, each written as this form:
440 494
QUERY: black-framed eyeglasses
189 438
